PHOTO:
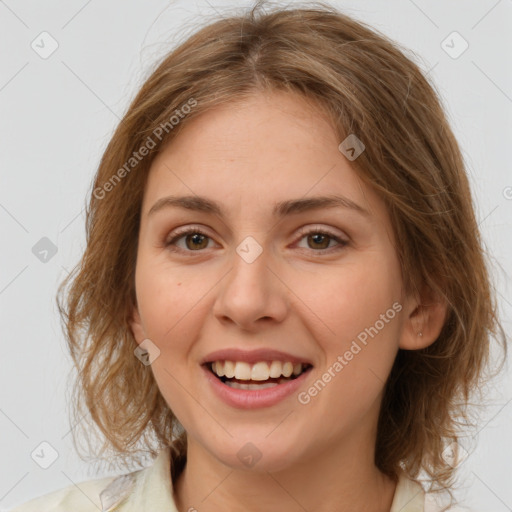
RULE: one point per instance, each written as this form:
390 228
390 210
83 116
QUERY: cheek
168 307
350 297
356 323
171 379
166 299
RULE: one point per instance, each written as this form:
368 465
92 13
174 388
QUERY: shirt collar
409 495
152 490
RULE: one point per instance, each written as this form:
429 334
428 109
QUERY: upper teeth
258 371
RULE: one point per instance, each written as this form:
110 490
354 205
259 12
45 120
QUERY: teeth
229 368
239 385
242 371
218 368
287 369
275 369
259 371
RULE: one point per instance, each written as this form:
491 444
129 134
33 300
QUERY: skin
303 295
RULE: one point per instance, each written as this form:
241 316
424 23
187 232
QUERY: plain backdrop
57 113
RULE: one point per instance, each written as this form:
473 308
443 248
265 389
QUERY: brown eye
319 241
194 239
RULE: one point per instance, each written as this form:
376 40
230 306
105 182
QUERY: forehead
279 123
265 149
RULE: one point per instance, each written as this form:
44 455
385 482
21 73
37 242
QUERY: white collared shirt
150 490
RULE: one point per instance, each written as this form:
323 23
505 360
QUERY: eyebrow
281 209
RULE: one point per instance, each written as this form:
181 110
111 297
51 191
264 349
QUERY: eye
320 240
194 239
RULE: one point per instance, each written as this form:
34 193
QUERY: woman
283 295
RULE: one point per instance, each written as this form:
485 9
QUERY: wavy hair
366 85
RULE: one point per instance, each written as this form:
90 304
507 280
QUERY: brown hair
367 86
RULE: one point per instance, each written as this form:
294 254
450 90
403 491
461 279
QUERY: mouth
256 376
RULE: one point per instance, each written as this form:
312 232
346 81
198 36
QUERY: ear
425 314
136 326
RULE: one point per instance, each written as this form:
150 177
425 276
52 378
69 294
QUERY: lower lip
254 398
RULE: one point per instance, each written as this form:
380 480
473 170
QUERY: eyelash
303 233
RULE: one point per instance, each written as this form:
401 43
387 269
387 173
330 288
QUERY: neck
342 479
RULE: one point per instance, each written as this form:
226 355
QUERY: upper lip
252 356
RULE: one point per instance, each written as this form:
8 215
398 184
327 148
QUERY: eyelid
341 240
185 230
317 228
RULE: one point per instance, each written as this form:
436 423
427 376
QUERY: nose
252 294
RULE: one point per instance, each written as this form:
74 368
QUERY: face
273 282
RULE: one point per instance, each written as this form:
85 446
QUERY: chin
259 455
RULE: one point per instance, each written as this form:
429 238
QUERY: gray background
56 117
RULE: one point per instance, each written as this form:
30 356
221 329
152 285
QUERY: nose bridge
250 291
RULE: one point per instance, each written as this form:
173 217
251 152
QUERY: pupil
315 239
196 238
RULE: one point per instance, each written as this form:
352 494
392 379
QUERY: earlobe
426 315
136 326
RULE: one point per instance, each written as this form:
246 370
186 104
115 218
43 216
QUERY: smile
260 375
257 382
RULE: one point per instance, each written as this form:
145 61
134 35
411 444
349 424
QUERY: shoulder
411 497
83 497
432 505
126 492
